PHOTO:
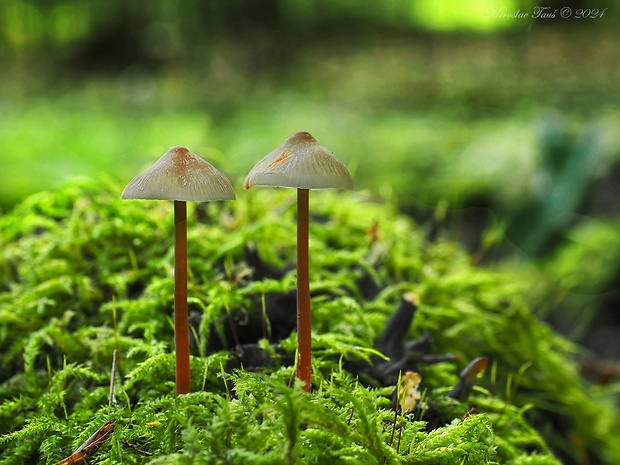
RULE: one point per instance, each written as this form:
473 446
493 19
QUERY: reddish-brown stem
181 326
304 321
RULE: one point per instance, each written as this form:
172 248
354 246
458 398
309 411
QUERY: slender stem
181 325
304 321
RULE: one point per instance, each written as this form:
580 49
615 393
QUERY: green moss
84 273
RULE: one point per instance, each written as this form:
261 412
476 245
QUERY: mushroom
181 176
301 163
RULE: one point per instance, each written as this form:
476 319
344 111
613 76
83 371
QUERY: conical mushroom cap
180 175
300 162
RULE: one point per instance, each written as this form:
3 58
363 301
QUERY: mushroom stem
304 321
181 325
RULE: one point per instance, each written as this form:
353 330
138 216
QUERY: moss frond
74 259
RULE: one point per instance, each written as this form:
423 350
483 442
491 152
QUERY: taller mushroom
181 176
301 163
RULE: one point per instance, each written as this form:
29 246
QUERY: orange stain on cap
280 159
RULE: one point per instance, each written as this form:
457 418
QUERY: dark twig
136 448
351 416
467 378
391 341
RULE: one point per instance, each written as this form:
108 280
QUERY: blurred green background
495 123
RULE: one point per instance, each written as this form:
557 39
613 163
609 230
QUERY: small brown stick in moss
90 446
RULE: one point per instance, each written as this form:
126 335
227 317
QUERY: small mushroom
301 163
181 176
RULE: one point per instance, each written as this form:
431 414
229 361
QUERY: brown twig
90 446
351 417
394 425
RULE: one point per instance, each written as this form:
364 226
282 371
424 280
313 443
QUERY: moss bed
83 273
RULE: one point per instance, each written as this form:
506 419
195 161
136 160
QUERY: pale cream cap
300 162
180 175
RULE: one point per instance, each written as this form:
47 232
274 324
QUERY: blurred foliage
590 256
501 132
85 272
578 280
568 168
92 33
159 29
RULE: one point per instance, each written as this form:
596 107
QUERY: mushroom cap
300 162
180 175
